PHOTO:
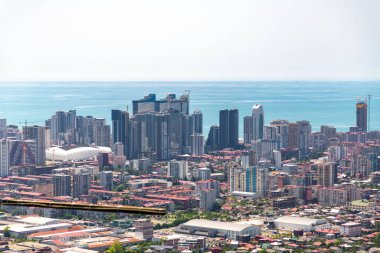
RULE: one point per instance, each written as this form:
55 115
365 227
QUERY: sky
189 40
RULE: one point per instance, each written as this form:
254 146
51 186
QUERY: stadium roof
77 154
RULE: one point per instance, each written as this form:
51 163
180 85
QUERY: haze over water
331 103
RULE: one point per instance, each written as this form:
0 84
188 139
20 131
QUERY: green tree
120 188
6 232
377 225
116 247
376 240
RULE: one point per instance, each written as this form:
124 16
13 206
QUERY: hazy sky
189 40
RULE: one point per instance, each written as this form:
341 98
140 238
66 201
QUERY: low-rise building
350 229
292 223
217 228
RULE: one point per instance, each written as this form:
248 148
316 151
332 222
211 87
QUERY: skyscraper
5 149
120 120
144 105
228 128
196 122
102 133
248 129
303 135
3 128
361 115
213 137
257 122
327 174
197 144
150 104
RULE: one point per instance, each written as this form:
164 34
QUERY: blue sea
331 103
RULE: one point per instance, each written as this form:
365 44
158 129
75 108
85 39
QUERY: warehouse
216 228
292 223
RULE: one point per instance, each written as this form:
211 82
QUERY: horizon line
197 80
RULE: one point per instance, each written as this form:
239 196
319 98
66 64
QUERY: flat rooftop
200 223
299 220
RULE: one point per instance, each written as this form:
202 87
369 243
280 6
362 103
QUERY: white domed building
76 154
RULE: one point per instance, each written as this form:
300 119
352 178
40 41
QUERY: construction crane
83 207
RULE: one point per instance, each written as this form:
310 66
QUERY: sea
321 103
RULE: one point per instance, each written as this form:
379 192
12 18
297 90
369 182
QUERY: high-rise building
144 105
106 180
61 185
196 122
248 129
149 104
264 148
245 157
85 129
228 128
103 160
81 184
303 135
329 133
278 130
63 127
292 136
277 159
207 199
3 128
213 137
178 169
197 145
360 166
101 132
262 178
144 229
38 134
120 120
204 173
23 153
5 149
118 149
257 122
162 136
174 128
327 174
361 115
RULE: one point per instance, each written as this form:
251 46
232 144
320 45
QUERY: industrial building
217 229
292 223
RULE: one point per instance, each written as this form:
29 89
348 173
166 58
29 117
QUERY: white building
197 144
292 223
5 148
178 169
257 122
277 159
77 154
207 199
351 229
217 228
204 173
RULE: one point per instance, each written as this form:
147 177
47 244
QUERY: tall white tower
257 122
